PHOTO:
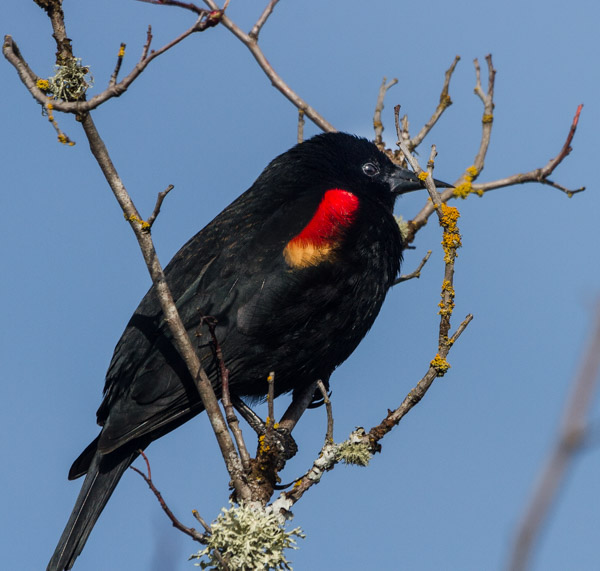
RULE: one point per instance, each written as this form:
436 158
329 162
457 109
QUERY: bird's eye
370 169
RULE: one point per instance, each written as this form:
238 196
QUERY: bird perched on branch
294 273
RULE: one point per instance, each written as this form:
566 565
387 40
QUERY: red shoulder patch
322 234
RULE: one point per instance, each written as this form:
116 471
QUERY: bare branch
54 10
270 400
13 55
252 44
445 102
230 415
263 18
185 5
377 123
159 200
415 395
300 125
488 111
570 440
171 316
464 185
329 433
539 175
195 535
416 273
113 78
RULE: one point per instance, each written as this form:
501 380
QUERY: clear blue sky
451 483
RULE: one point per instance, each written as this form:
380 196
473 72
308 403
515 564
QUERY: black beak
402 180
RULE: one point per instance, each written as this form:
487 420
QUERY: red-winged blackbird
294 272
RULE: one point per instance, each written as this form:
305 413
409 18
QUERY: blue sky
451 483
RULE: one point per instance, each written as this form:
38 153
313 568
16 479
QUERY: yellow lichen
43 84
463 190
423 175
122 51
440 365
472 171
263 447
450 216
487 118
451 239
133 218
447 304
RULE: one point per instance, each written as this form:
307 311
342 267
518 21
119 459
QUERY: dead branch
195 535
171 316
445 102
159 200
377 123
230 415
327 402
464 186
251 42
414 274
570 440
206 20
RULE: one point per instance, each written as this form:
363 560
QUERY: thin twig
230 415
488 112
270 400
159 200
263 18
115 73
202 521
445 102
300 125
13 55
328 455
195 535
415 395
464 185
181 338
416 273
216 552
377 122
273 76
185 5
540 175
327 401
569 441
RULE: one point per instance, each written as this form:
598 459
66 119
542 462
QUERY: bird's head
340 160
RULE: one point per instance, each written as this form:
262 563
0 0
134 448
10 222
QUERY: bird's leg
285 443
255 421
318 399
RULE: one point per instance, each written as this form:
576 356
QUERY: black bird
294 272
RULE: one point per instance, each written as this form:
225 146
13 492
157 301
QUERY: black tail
102 478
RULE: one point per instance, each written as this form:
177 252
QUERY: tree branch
445 102
569 441
252 44
195 535
377 123
465 186
171 316
13 55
